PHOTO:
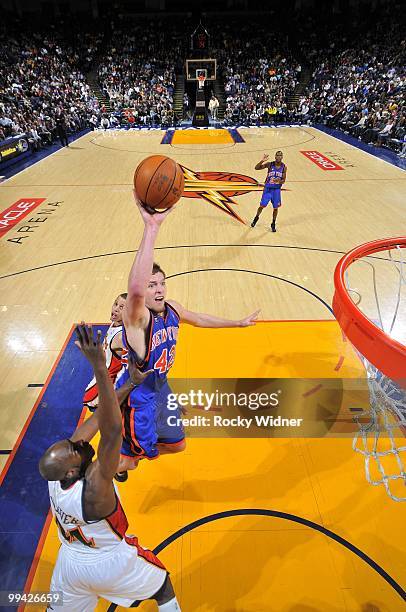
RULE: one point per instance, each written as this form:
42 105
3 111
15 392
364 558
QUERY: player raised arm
135 312
100 498
199 319
263 163
87 430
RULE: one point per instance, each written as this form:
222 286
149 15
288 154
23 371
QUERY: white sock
170 606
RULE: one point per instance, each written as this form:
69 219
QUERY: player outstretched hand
250 320
136 376
265 157
91 347
154 218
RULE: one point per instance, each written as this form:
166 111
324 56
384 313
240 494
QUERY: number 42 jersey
162 334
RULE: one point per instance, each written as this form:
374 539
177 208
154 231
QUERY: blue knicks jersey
161 334
274 173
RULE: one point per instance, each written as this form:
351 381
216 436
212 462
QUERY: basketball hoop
201 79
381 346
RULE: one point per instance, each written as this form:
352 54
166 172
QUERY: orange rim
384 352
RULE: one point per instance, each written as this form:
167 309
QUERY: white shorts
125 576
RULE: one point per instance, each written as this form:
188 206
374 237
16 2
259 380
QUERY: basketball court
284 521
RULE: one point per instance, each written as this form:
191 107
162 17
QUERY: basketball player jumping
97 558
113 347
273 183
150 332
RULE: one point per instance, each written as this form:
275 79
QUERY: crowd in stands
138 72
257 90
361 91
43 91
258 71
355 85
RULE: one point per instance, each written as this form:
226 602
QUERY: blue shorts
147 425
271 194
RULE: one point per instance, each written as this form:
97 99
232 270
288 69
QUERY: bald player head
66 461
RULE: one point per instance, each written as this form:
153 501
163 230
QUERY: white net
382 428
381 434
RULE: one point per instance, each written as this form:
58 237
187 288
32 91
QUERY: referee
61 129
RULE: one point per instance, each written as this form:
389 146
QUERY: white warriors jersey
75 533
113 364
111 357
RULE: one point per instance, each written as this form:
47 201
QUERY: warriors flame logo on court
219 188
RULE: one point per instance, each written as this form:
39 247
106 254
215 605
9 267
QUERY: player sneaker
121 476
254 221
273 227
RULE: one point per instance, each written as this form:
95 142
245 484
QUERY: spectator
40 80
61 130
213 107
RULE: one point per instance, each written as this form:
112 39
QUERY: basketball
158 182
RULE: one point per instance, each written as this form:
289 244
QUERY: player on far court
272 190
113 348
97 558
151 327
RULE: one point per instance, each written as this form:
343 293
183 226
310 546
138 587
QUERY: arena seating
355 86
